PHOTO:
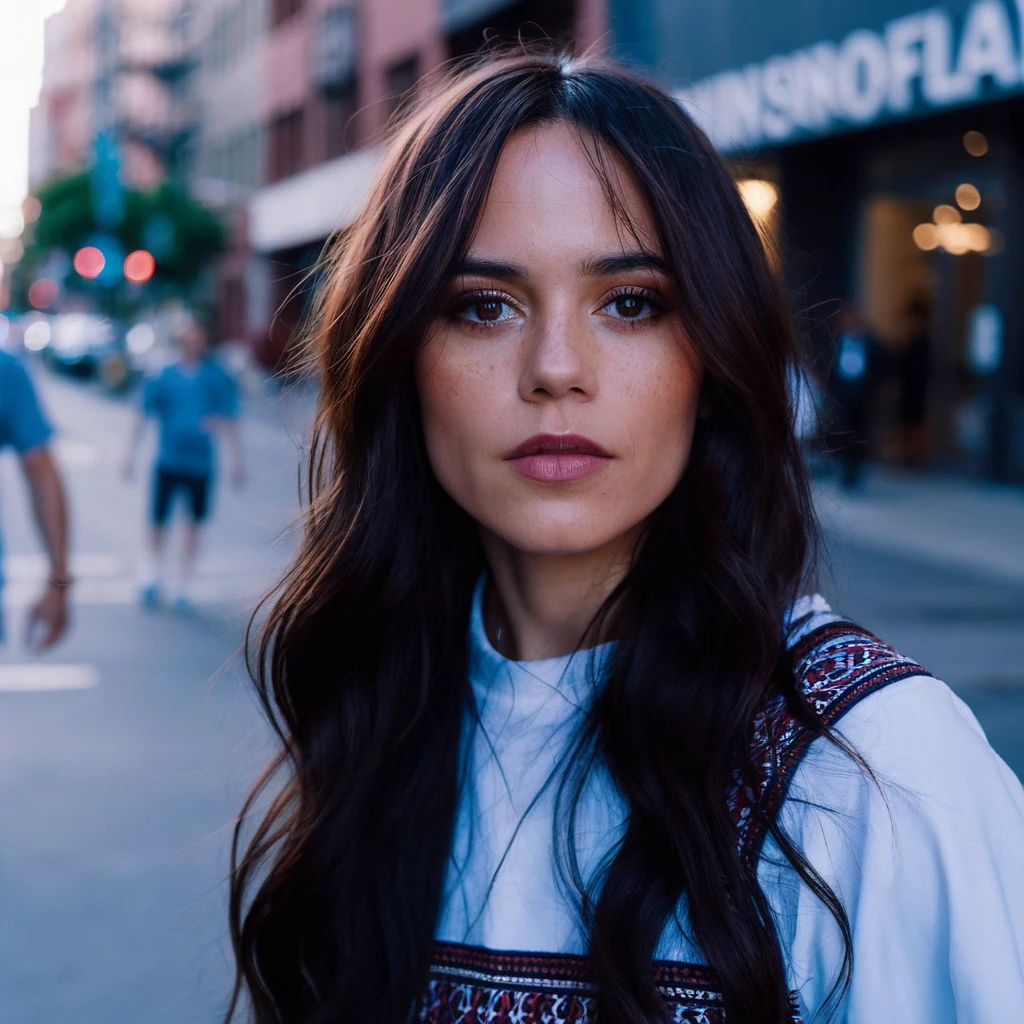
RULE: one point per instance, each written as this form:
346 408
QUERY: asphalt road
117 791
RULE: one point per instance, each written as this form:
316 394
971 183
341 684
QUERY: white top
930 869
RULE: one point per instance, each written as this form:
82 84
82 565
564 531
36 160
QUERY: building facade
122 86
228 165
892 135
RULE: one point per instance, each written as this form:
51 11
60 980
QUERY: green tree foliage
182 234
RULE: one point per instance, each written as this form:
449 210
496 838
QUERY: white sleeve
928 863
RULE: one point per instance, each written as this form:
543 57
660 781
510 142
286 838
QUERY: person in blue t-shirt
24 428
192 401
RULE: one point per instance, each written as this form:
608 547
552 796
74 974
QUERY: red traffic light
89 262
139 266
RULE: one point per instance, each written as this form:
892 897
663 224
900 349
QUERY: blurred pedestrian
24 427
914 370
191 400
856 369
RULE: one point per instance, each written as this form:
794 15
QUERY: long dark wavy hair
362 662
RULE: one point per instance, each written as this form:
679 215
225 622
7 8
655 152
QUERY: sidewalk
961 524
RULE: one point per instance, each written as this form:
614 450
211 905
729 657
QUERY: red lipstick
558 458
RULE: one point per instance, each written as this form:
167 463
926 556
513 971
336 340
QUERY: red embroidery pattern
836 666
476 986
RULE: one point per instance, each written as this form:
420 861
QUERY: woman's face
558 388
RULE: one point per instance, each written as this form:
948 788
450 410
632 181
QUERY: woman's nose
559 358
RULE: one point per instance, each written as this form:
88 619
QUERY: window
401 81
287 145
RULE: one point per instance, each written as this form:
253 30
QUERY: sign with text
927 60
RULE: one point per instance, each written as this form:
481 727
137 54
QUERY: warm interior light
959 238
975 143
955 237
759 197
926 236
967 197
946 214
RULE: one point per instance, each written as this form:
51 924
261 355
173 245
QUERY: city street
124 758
117 794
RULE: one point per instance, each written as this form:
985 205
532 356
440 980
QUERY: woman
558 739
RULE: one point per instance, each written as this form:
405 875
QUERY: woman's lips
558 458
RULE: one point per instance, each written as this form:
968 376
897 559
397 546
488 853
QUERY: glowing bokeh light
89 262
42 292
926 236
975 143
946 214
139 266
967 197
140 338
37 335
758 196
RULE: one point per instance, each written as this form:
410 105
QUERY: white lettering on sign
866 75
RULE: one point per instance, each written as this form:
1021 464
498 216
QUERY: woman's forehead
547 193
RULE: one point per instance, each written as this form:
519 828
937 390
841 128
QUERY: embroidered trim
469 985
835 666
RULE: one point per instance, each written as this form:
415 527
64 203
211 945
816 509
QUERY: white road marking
33 566
72 451
43 677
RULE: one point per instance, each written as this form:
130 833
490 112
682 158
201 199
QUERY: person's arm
51 514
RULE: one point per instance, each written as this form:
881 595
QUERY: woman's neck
541 605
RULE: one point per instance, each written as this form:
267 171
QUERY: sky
21 63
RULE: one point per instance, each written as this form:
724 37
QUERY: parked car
81 343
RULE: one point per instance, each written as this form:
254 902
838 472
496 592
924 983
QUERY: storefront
893 140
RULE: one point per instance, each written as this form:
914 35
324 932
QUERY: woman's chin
560 538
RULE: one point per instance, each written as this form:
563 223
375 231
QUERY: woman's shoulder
922 749
915 745
922 841
907 725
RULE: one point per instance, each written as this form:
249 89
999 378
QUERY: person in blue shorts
192 401
24 427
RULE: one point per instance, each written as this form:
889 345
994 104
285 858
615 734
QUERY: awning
307 207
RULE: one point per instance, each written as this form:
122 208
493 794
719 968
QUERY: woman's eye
486 310
631 306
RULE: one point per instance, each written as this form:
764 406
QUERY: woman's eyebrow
592 266
476 267
619 262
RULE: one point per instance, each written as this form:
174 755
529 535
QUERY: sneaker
149 595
